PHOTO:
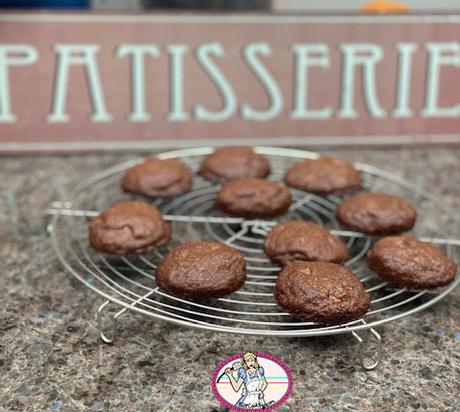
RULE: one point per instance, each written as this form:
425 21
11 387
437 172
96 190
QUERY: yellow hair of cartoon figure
248 356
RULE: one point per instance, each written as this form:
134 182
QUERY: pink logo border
262 355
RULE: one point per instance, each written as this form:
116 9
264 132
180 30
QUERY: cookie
321 292
202 270
158 178
234 162
323 175
128 228
298 240
377 213
408 262
253 198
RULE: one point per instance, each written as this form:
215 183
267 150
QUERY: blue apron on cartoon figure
252 377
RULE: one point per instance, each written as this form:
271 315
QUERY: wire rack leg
103 336
378 355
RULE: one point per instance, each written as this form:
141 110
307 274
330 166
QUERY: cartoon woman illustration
252 377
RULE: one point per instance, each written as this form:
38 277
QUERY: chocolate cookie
323 175
202 270
408 262
377 213
128 228
321 292
253 198
298 240
158 178
235 162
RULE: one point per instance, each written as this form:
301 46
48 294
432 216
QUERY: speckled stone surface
51 357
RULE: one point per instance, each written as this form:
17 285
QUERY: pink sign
107 82
252 381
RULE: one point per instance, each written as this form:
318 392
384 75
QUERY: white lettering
308 55
367 55
12 55
405 51
226 91
77 55
276 99
138 53
437 59
176 51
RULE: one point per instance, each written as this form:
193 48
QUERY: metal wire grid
130 281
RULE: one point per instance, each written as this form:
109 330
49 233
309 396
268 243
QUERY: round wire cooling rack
130 280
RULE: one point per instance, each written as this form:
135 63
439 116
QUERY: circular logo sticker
252 380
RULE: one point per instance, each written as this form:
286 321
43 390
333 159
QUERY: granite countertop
51 357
